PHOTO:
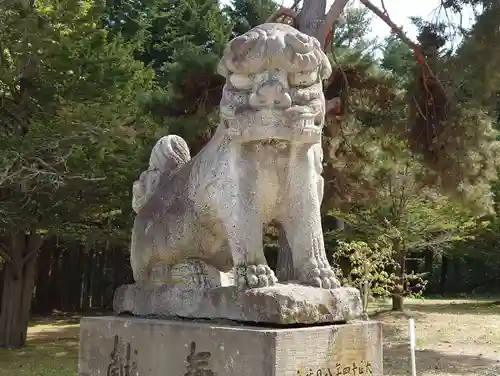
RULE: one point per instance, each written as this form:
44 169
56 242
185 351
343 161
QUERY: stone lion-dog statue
263 164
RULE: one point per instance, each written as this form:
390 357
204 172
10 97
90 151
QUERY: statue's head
273 85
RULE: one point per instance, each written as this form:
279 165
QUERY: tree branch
331 18
396 29
334 13
400 33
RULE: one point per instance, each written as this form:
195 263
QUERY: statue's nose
271 94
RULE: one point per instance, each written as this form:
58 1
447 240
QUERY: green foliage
130 18
186 40
410 216
366 263
351 31
246 14
398 59
371 105
70 109
462 167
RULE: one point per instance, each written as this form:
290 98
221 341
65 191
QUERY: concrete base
130 346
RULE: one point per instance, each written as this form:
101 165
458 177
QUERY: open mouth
297 123
297 117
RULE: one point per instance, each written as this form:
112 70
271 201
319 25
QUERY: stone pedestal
130 346
280 304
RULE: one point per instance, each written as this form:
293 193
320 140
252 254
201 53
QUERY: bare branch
400 33
396 29
384 8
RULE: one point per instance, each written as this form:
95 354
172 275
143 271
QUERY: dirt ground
454 338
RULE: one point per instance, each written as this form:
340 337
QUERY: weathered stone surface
263 164
279 304
192 274
144 347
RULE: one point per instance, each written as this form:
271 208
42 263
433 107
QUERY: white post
412 348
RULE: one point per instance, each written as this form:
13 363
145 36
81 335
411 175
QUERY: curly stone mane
264 48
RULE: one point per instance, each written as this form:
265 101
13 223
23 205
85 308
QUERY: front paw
252 276
320 277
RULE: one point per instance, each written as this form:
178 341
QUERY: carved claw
252 276
321 277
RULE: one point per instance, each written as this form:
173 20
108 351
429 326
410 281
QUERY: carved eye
304 78
241 81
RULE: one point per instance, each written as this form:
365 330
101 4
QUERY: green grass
52 350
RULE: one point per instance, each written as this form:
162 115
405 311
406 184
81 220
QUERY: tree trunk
55 279
78 280
87 279
429 257
397 302
398 293
41 300
444 275
312 19
18 287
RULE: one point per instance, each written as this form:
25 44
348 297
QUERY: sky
400 11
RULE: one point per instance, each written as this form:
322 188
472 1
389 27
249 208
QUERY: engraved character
354 369
198 362
114 363
116 367
338 369
369 369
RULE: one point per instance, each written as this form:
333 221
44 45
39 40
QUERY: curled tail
169 153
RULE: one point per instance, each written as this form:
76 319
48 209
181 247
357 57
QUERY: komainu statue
263 164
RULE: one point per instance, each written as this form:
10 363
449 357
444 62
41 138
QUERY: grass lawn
454 338
52 350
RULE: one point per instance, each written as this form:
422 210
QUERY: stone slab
283 304
120 346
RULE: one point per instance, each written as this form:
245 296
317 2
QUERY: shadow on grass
397 362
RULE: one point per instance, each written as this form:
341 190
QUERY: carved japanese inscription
122 364
198 362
